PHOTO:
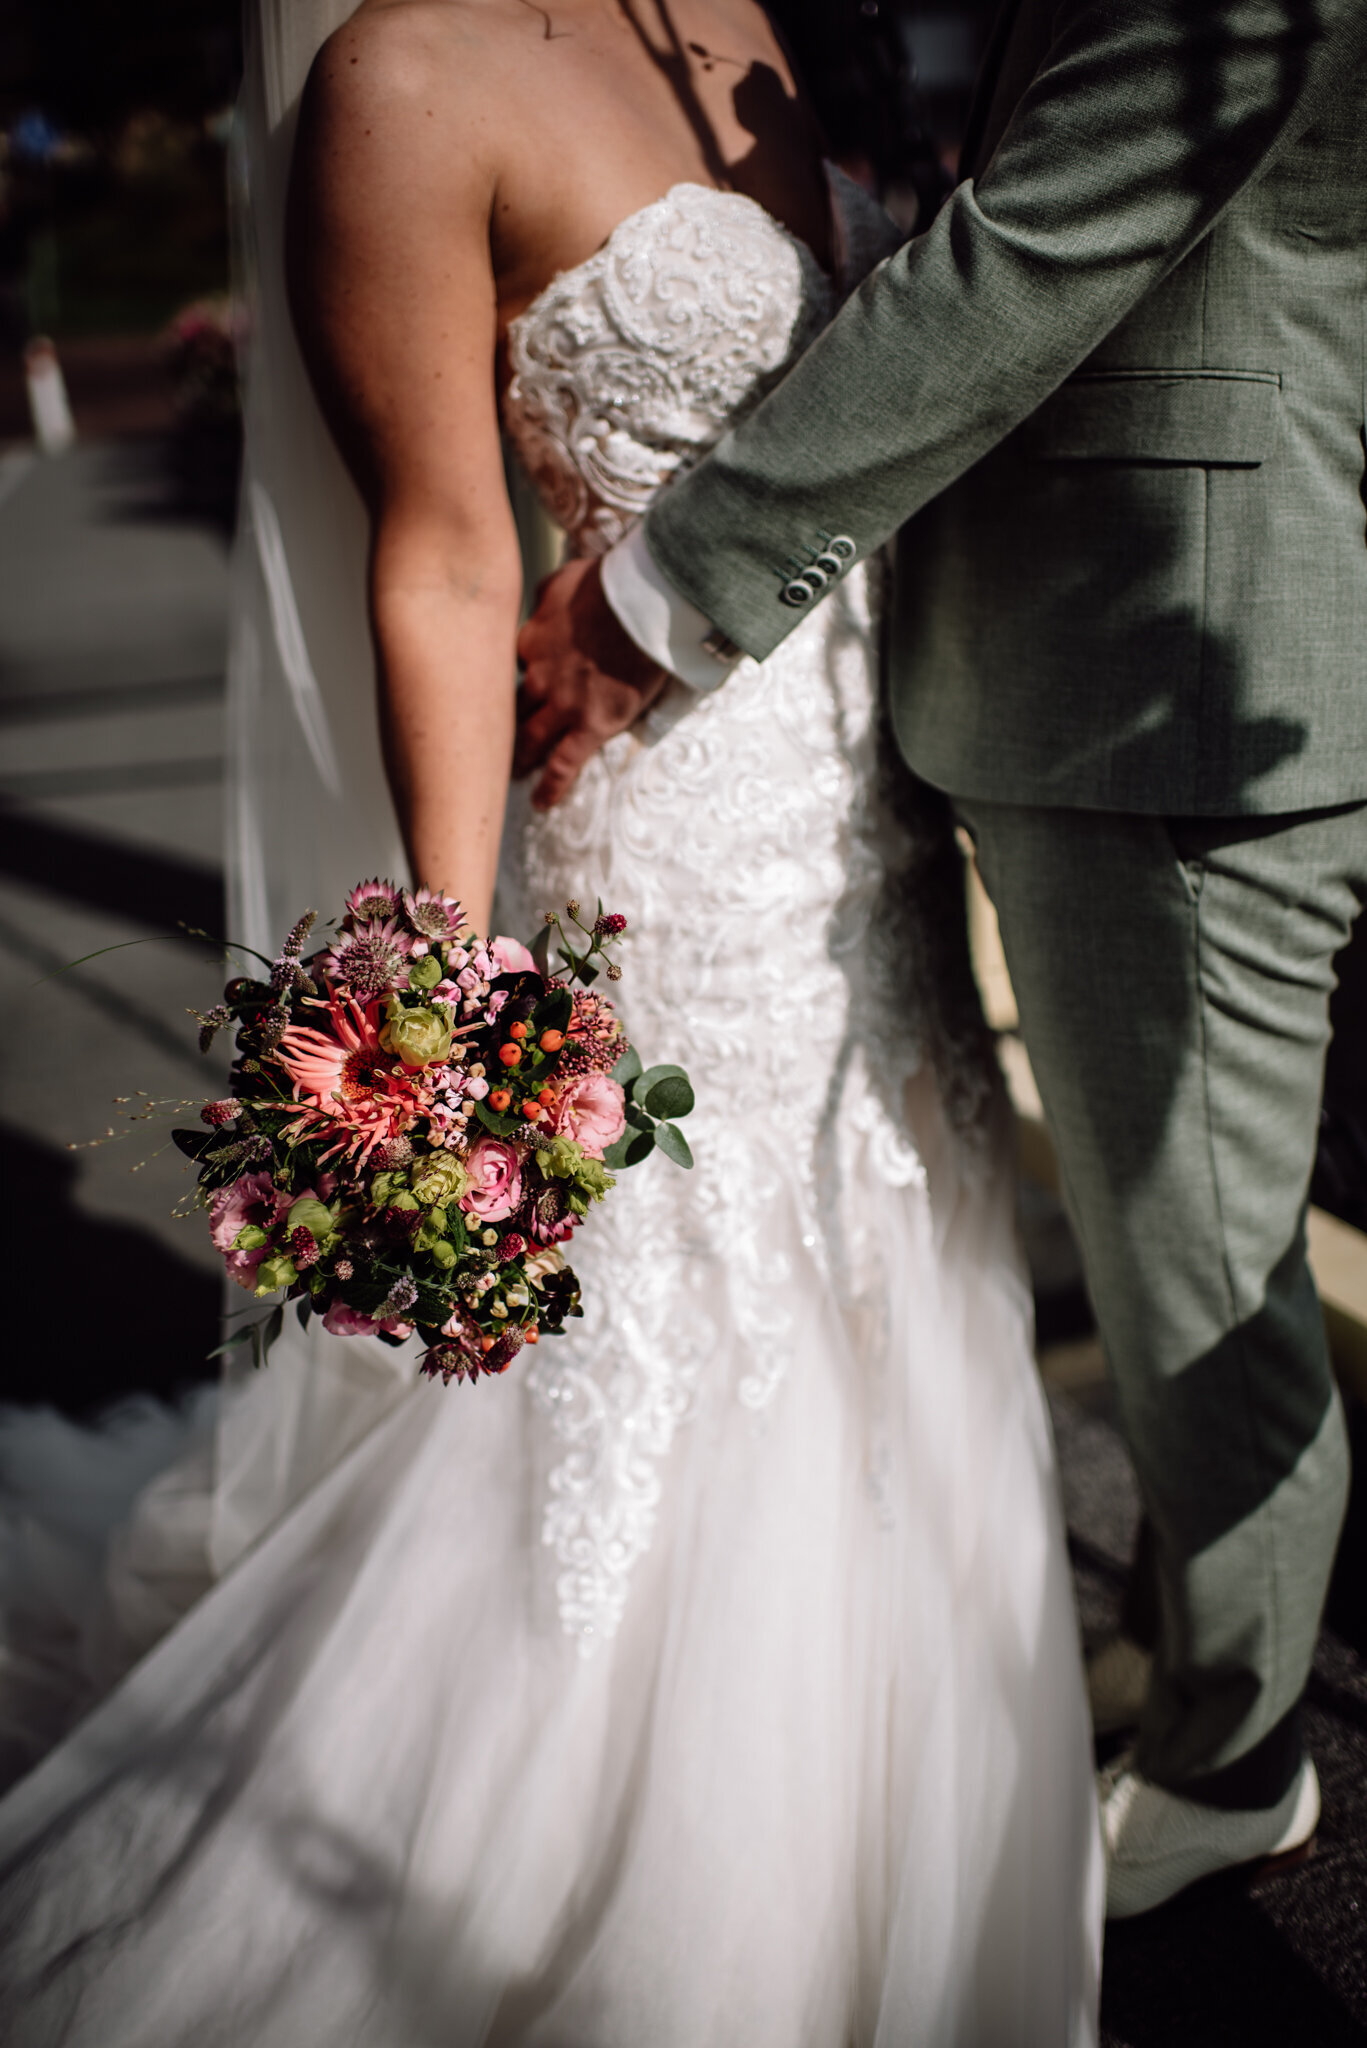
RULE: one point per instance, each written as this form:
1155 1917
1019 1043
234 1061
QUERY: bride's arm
393 296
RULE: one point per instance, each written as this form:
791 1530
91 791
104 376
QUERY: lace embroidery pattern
790 902
634 363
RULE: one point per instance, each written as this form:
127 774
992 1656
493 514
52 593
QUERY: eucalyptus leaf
303 1308
640 1147
673 1144
636 1116
615 1158
246 1335
627 1068
673 1096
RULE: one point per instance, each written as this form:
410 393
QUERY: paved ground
111 687
111 659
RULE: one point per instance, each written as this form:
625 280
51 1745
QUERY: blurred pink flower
511 957
590 1110
349 1322
253 1199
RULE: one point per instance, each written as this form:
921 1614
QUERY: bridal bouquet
420 1120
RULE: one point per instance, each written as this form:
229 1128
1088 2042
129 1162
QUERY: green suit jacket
1113 405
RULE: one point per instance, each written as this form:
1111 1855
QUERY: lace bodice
627 368
790 917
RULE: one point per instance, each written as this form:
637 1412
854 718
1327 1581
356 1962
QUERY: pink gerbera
345 1077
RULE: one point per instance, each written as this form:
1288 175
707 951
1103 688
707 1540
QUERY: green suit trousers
1173 978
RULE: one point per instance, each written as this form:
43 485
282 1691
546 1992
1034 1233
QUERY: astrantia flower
432 915
545 1213
370 959
375 899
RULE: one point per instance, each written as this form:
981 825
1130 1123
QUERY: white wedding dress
711 1681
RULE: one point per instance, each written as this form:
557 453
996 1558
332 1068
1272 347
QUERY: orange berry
531 1335
517 1031
546 1097
499 1099
551 1041
533 1112
486 1343
511 1055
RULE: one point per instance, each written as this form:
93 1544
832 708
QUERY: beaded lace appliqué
773 884
626 369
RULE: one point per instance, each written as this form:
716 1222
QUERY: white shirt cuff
662 622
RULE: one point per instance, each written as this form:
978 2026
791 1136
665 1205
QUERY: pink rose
511 957
256 1200
589 1109
495 1170
349 1322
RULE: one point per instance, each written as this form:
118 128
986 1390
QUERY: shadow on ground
132 1316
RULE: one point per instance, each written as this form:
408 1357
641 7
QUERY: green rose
313 1215
250 1238
589 1178
419 1037
425 973
274 1273
439 1178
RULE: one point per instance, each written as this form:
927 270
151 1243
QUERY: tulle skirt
822 1777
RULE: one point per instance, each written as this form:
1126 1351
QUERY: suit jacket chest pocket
1197 419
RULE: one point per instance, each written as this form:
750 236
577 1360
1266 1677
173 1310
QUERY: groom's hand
584 680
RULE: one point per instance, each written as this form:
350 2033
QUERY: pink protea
345 1078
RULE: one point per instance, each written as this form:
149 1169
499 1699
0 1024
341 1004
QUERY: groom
1111 406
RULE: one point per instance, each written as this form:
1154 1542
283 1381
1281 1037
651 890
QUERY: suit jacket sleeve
1143 121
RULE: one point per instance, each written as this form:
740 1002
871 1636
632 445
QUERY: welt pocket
1198 418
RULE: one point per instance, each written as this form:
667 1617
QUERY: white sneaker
1118 1676
1157 1843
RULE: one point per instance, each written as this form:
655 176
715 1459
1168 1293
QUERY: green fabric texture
1118 389
1173 979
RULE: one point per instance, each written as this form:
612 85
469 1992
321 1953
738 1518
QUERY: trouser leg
1173 981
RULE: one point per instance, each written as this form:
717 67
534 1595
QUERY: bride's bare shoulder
398 65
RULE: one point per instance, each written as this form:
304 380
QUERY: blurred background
119 451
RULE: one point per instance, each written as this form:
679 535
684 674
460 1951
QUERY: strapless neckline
630 221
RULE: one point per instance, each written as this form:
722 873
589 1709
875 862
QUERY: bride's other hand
584 681
392 288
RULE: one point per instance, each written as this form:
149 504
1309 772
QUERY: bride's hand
584 680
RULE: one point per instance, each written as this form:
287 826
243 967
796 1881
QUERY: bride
711 1679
